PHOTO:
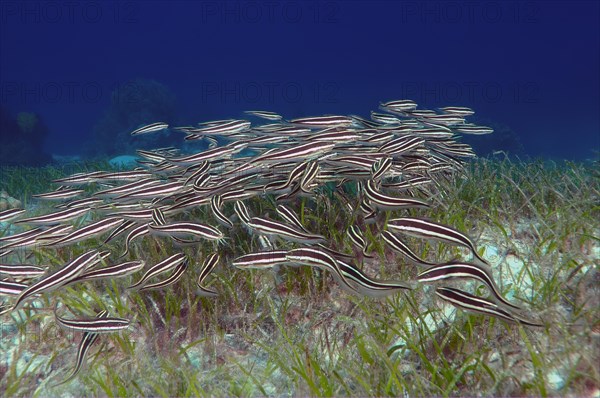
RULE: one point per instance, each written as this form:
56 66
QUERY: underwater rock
22 139
133 104
504 140
8 202
27 121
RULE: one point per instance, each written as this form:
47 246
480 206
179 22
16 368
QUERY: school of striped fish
392 161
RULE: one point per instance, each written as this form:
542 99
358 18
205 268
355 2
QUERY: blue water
528 68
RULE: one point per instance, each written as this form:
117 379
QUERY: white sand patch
430 323
492 253
513 273
555 380
518 275
123 161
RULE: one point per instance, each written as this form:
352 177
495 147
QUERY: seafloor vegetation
296 332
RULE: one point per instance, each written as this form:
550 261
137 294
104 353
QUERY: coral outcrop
22 139
134 104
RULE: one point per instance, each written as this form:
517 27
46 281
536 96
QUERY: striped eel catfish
22 270
186 229
10 214
59 278
94 325
178 272
469 302
88 339
162 267
261 260
55 218
430 230
207 267
323 176
288 232
8 288
371 287
457 269
318 258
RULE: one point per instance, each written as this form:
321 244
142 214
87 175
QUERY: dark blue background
532 66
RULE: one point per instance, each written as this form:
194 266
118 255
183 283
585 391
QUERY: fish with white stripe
10 214
324 121
265 115
469 302
421 228
11 288
55 218
207 267
458 269
305 151
386 202
22 270
288 232
398 245
89 231
59 278
183 229
94 325
112 271
318 258
171 279
162 267
150 128
371 287
261 260
86 343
